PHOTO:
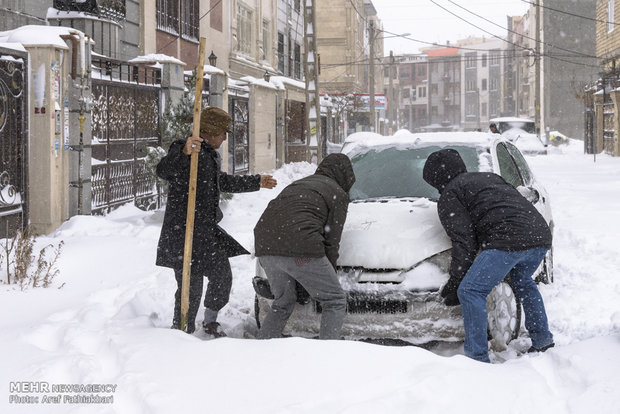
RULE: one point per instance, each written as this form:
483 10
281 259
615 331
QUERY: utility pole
371 41
391 95
537 70
313 99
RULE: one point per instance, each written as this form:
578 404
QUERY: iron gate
125 122
13 141
238 141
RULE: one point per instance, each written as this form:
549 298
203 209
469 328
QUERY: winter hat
214 121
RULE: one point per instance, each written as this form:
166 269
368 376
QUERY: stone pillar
217 84
49 155
262 127
172 83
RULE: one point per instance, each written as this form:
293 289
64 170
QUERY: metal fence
125 122
13 141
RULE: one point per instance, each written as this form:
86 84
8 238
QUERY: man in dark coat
211 246
493 129
494 231
297 239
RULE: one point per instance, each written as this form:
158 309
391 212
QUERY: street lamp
212 59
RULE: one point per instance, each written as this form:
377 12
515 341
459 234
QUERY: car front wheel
504 313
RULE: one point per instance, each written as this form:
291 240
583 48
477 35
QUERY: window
610 16
470 60
483 109
524 169
404 72
493 84
484 84
168 16
434 89
266 40
484 60
244 29
422 91
406 93
421 69
494 58
177 17
298 6
507 168
281 56
297 61
470 86
189 19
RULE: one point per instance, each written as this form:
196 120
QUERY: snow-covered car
521 132
394 253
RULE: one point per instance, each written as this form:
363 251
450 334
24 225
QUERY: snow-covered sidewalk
106 320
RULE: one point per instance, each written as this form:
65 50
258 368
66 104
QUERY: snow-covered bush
25 269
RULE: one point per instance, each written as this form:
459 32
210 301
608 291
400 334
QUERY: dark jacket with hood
306 219
209 237
481 211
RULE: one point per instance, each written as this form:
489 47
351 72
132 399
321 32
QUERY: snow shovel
191 199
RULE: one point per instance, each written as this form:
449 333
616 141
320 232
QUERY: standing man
212 246
297 239
494 231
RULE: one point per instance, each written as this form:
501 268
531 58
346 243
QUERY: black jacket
480 211
209 238
306 219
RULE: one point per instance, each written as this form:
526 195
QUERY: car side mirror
530 193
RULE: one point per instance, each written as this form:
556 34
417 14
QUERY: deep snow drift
105 321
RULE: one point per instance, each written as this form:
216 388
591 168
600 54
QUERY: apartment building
483 69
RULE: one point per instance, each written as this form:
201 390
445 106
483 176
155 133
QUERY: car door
514 169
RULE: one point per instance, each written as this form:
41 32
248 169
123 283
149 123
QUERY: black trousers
219 275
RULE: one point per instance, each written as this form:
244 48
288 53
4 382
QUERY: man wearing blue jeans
494 231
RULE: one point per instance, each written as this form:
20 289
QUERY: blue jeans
487 271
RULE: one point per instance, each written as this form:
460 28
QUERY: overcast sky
430 23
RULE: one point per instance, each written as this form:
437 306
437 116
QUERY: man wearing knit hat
212 246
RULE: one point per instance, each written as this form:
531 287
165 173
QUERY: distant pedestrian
493 129
494 231
211 246
297 240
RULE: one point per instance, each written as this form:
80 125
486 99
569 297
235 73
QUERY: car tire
545 271
504 313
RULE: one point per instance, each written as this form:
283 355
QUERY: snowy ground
105 321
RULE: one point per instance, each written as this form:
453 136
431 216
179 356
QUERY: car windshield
397 172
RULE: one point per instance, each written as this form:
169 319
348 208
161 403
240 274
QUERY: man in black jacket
211 246
297 239
494 231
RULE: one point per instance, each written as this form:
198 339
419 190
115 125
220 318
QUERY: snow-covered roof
13 46
251 80
289 81
157 57
37 35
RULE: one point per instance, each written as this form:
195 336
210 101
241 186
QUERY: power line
521 34
571 14
500 38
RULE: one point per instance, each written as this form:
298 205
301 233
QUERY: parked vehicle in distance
394 253
521 132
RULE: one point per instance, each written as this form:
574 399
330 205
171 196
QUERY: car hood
391 234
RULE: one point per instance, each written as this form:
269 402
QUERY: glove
448 292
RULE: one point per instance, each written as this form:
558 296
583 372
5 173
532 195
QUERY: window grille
168 16
189 19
